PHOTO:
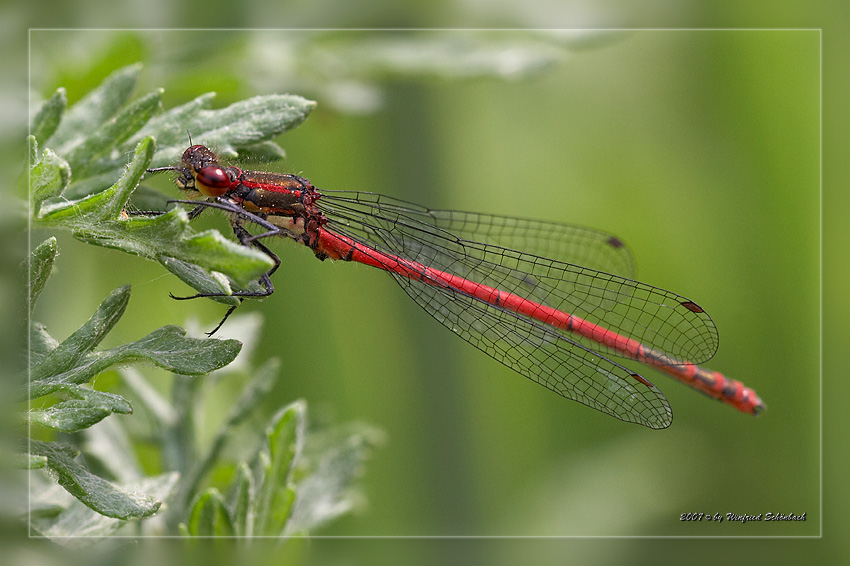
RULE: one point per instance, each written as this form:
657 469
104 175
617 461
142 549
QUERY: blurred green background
699 148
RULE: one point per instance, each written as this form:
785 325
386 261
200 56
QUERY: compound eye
213 180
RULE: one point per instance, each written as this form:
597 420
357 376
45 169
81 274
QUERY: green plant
93 139
292 479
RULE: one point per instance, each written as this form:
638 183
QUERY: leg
245 238
224 204
268 288
194 213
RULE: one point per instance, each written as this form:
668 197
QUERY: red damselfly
558 321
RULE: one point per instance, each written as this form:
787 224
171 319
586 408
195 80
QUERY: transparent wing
571 365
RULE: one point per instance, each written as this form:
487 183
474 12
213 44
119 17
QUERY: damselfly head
202 172
199 156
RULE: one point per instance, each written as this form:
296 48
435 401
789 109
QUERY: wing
660 319
567 243
573 366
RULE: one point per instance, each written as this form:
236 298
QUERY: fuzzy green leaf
110 401
41 342
96 135
77 525
166 127
32 150
40 265
167 347
209 516
249 125
285 438
68 416
75 361
49 176
194 257
72 351
113 132
202 280
109 445
97 219
47 118
242 124
103 206
87 407
257 389
262 152
96 108
243 498
278 510
33 462
334 460
96 493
